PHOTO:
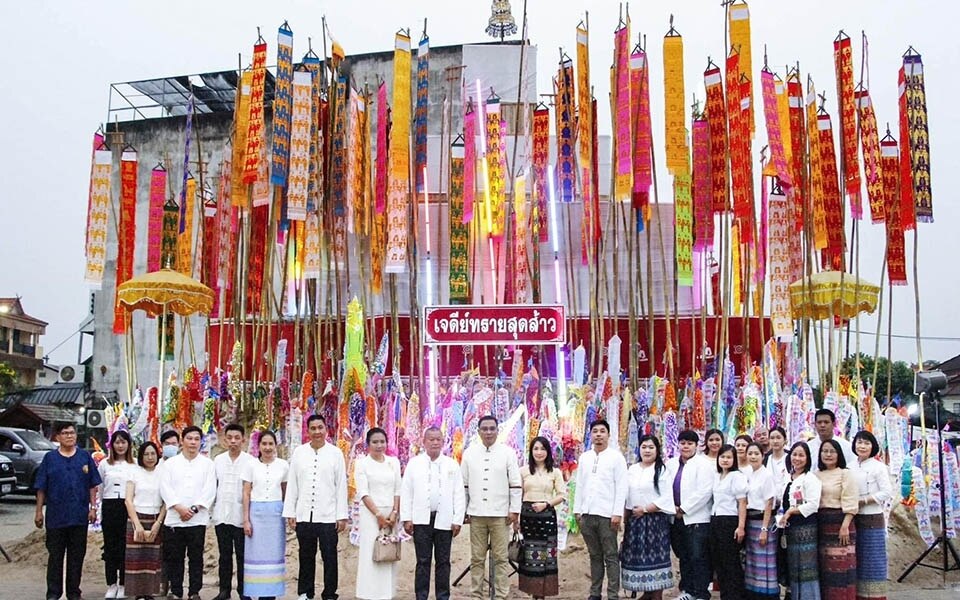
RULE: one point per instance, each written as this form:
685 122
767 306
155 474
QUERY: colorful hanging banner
870 141
259 231
740 38
783 114
282 107
683 221
158 192
210 245
262 192
380 175
780 225
496 193
775 140
643 133
398 183
338 148
459 232
97 144
171 225
98 217
816 170
378 248
739 142
623 155
225 250
919 136
908 211
126 230
541 158
299 147
843 65
254 140
469 161
717 121
185 238
674 99
896 246
798 143
702 187
747 213
566 165
421 113
356 151
310 256
584 98
736 249
521 283
832 200
241 118
187 136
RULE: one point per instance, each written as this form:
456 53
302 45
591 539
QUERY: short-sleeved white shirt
266 479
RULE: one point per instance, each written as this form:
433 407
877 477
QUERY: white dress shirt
804 493
115 478
815 444
188 483
491 479
642 492
146 491
601 483
727 492
316 485
778 467
696 487
433 486
761 488
873 479
266 479
228 508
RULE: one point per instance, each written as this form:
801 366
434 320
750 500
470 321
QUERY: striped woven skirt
645 554
838 563
264 551
760 572
143 561
871 557
802 563
538 555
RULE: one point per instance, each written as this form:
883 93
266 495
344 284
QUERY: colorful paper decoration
158 193
870 141
919 136
717 120
126 230
740 38
282 107
398 183
843 64
459 233
643 132
623 155
896 246
254 140
780 224
566 165
420 115
908 211
496 188
541 157
380 174
702 187
185 238
675 101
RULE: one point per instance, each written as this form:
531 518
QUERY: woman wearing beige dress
543 490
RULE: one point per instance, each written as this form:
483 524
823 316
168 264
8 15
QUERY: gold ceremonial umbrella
823 295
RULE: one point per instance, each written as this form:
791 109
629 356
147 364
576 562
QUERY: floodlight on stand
912 408
929 382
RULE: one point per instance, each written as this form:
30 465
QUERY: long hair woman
777 460
839 504
728 523
801 501
712 441
264 486
115 472
645 553
760 576
873 481
543 490
145 507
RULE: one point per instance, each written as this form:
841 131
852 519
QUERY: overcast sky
59 58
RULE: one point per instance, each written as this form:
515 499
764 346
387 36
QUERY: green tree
8 379
900 375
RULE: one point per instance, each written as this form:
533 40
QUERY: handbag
514 548
386 548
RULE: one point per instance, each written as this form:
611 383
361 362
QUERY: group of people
810 518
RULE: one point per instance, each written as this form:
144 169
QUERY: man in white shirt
824 420
188 486
316 507
227 512
432 505
598 507
170 445
693 501
491 478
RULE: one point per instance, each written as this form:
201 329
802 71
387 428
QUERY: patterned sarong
838 563
538 559
645 554
802 565
142 561
263 560
760 572
871 557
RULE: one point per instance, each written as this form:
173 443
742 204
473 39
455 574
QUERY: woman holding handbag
543 490
377 478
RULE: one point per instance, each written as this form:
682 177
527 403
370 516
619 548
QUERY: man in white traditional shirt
693 501
227 513
824 420
432 505
188 486
491 478
598 506
316 507
170 446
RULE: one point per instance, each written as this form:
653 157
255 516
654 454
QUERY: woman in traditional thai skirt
144 554
839 504
712 442
645 552
115 472
798 522
873 482
543 490
760 577
728 524
264 485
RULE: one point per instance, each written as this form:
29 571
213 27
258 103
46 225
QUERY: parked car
8 480
26 448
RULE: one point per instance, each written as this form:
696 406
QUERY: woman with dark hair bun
543 490
873 481
839 504
144 557
264 486
377 477
115 471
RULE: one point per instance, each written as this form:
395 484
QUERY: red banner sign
506 324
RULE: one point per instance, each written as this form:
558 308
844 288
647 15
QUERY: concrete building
20 345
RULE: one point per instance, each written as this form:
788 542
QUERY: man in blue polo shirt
67 482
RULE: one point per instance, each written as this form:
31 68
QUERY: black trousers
166 557
725 556
114 523
432 545
691 545
189 541
230 542
72 542
310 536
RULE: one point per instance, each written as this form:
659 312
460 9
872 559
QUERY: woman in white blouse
377 478
873 479
144 553
776 459
645 553
801 501
264 485
760 572
728 523
115 472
